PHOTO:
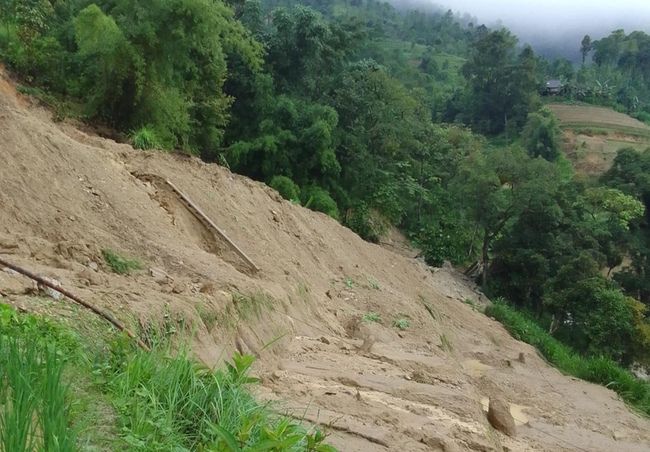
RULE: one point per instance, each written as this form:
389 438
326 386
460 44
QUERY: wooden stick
203 217
73 297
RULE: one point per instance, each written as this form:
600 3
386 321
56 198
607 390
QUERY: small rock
10 271
500 417
522 358
401 335
90 277
451 446
325 340
158 274
93 266
178 288
49 291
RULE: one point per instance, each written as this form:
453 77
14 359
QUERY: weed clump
119 264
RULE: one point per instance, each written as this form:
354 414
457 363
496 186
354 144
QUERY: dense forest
417 119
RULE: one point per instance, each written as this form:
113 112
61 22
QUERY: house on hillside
553 87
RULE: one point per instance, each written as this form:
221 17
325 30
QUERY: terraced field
593 135
588 116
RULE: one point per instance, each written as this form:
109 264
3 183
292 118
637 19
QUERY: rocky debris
93 266
325 340
522 358
158 275
10 271
500 417
89 277
48 291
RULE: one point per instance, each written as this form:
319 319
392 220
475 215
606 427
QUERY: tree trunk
485 258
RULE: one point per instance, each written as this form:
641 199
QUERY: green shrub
319 200
120 264
286 187
358 219
371 317
402 324
144 138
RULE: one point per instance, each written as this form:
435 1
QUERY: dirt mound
329 298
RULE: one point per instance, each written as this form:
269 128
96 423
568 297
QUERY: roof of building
553 84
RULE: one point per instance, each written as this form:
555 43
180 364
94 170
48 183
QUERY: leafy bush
286 187
144 138
358 219
371 317
402 324
319 200
597 370
120 264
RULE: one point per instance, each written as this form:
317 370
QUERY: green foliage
286 187
34 402
120 264
371 317
445 344
163 399
541 135
402 324
319 200
144 138
597 370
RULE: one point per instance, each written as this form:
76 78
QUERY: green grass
596 370
62 393
402 324
120 264
371 317
372 282
144 138
445 343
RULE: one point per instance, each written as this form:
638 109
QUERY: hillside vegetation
378 118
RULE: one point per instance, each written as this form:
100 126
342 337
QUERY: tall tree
585 47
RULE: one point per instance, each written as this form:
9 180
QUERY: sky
560 21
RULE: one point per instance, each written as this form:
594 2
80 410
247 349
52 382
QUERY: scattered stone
93 266
500 417
522 358
178 288
451 446
367 345
49 291
325 340
434 442
89 277
158 275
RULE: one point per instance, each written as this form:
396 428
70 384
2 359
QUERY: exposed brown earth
65 195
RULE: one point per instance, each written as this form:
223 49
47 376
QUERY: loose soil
65 195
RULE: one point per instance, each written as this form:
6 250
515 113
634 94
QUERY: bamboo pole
203 217
75 298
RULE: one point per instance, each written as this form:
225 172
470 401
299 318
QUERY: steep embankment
593 135
65 196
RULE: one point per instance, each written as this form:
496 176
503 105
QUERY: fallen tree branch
75 298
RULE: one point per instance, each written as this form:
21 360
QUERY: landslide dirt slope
66 195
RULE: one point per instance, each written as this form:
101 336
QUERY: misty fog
553 27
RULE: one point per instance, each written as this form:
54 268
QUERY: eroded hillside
66 195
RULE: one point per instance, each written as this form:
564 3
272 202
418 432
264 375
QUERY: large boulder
500 417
